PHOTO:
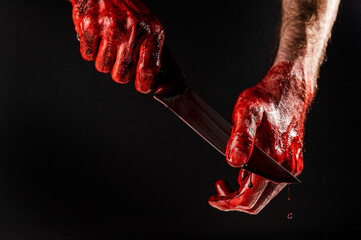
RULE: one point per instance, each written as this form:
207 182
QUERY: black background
82 157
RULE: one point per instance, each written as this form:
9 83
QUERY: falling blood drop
289 193
289 215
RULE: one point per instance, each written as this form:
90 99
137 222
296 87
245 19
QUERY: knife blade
204 120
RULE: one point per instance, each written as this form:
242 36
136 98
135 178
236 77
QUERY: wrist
301 63
291 80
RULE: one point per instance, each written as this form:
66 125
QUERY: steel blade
211 126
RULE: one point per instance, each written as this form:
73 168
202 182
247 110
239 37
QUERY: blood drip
289 215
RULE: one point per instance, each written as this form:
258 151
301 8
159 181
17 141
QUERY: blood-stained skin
126 39
123 37
270 115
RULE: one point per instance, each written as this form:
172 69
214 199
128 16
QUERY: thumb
247 117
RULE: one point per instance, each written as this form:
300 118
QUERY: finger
223 202
124 67
242 177
268 194
242 200
149 63
296 156
89 42
223 188
106 55
87 27
130 39
251 191
247 117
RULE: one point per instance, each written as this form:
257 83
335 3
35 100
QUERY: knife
173 92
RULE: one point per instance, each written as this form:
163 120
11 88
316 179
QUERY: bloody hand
123 37
270 115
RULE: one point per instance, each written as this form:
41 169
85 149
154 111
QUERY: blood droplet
289 193
289 215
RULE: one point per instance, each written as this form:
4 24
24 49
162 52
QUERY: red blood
123 38
270 115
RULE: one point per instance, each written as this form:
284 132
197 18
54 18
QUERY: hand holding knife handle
171 80
173 92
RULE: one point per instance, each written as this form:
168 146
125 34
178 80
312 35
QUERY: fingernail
237 158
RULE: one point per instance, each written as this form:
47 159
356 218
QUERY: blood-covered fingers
125 64
123 38
89 42
106 55
85 17
247 117
268 194
149 62
127 56
295 161
223 188
245 199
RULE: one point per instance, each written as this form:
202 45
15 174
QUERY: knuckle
254 94
253 108
157 28
82 6
131 22
247 100
89 23
107 23
110 22
247 113
132 27
88 38
245 103
145 27
248 109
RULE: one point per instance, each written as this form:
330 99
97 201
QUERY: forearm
305 30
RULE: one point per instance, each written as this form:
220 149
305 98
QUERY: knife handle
171 80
